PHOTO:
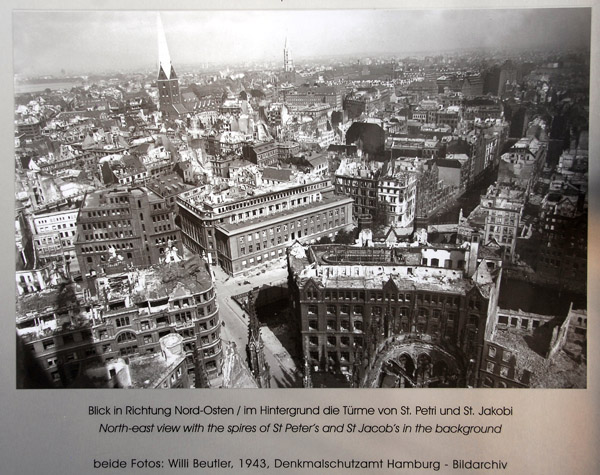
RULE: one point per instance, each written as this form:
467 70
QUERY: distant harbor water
22 88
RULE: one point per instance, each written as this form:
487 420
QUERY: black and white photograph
315 199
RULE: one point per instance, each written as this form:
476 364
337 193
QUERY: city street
284 373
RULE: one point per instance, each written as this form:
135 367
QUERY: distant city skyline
47 43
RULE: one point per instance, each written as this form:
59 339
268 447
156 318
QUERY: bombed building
74 334
123 227
413 316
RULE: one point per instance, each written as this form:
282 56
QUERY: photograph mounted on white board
302 199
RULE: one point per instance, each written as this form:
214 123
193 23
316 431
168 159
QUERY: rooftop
98 199
327 199
212 196
371 268
171 280
48 300
148 370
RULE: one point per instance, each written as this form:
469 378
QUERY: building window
128 350
126 336
47 344
122 322
492 352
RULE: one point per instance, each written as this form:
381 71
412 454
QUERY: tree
344 237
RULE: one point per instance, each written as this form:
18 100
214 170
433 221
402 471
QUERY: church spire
169 95
288 63
165 68
255 348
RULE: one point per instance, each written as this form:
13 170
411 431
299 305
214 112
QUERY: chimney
471 255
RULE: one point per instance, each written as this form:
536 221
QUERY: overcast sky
46 42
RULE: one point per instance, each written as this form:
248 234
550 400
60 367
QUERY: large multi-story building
69 330
416 189
122 227
30 128
450 116
243 227
306 96
404 317
503 209
563 250
358 179
269 153
396 194
363 101
413 147
54 235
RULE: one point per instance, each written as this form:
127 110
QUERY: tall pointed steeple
288 63
164 58
169 96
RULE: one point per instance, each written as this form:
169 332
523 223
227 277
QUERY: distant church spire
288 63
169 95
164 58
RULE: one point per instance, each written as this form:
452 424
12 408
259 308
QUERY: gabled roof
390 285
317 160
